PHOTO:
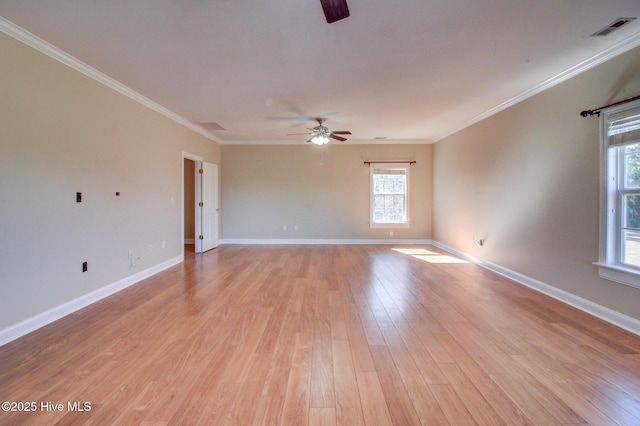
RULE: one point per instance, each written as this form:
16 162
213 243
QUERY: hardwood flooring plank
399 403
369 322
322 416
239 364
615 403
296 401
347 398
424 403
322 386
545 397
429 369
566 390
451 404
374 406
498 400
326 334
357 339
525 400
481 410
338 323
217 410
271 403
309 306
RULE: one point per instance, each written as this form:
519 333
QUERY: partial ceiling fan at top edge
335 10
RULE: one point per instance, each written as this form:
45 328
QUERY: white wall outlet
391 233
164 244
284 227
132 260
296 227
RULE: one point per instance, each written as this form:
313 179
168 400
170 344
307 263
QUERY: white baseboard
31 324
274 241
616 318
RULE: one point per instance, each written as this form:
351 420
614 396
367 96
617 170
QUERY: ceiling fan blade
341 132
335 10
338 138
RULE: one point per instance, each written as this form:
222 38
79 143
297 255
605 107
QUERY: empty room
320 212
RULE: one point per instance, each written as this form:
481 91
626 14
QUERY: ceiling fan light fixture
320 140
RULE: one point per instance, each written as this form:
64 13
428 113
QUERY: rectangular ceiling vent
612 27
212 125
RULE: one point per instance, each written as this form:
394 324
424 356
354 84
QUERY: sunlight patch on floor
429 256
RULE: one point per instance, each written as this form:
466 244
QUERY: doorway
200 200
189 205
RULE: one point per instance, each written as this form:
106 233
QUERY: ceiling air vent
212 125
612 27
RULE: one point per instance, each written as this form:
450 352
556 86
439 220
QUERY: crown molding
24 36
605 55
349 142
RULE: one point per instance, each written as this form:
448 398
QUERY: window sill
619 274
388 225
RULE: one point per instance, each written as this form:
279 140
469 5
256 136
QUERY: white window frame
388 166
610 265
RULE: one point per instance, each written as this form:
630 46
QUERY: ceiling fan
335 10
321 135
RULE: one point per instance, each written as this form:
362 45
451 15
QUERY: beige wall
62 133
527 181
322 189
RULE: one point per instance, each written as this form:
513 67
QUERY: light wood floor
325 335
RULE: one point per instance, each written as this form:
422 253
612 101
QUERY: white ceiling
409 71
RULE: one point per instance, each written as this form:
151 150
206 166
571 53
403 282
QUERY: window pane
632 166
631 247
630 231
389 184
389 208
398 187
631 206
377 184
625 130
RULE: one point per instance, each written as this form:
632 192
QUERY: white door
210 209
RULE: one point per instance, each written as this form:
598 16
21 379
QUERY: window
389 195
619 258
